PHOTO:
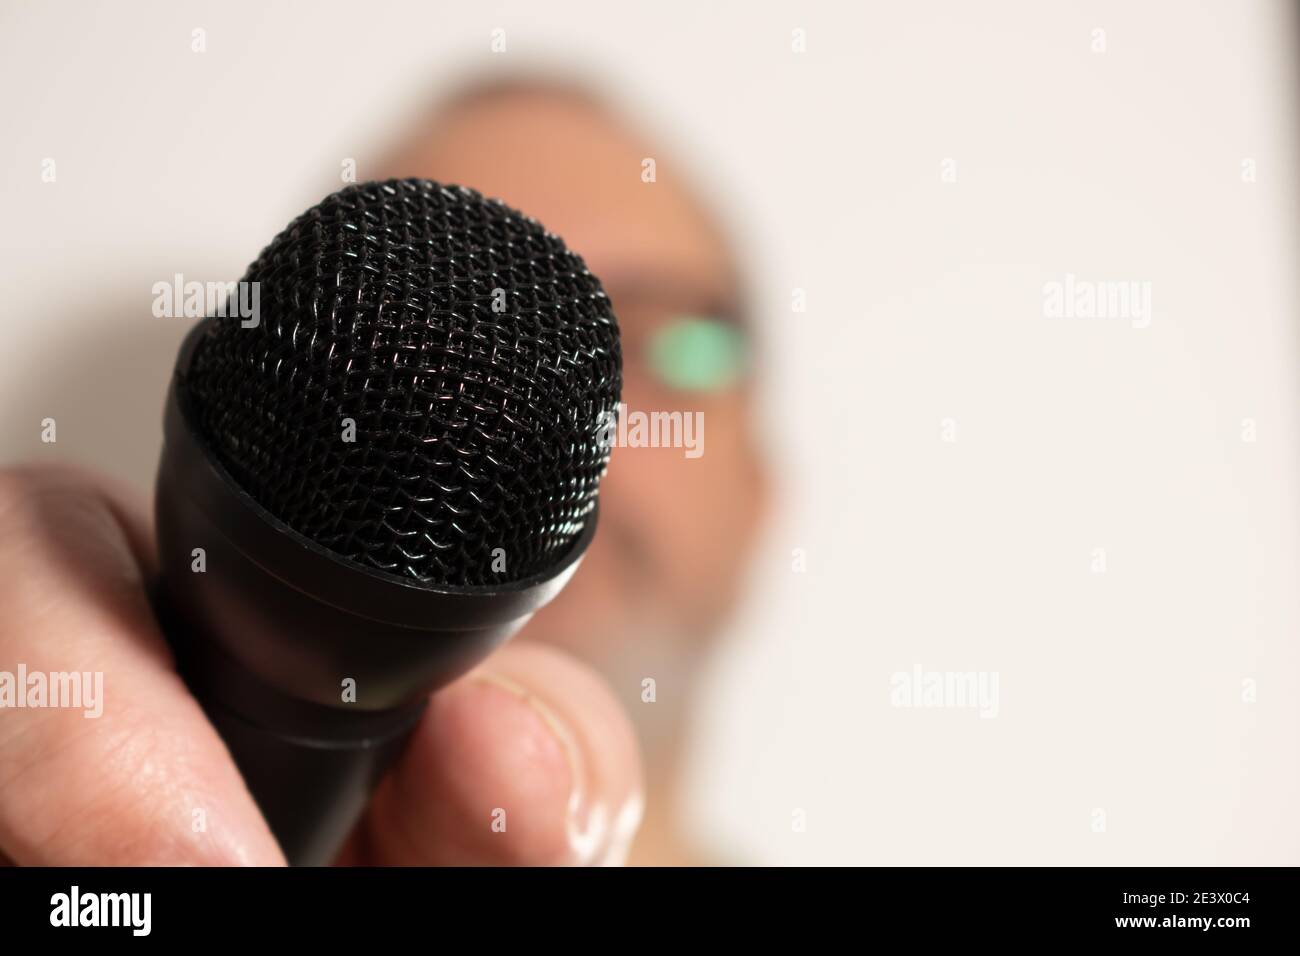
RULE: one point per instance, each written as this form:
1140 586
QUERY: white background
1119 691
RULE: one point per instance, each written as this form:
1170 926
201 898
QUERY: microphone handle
312 792
312 775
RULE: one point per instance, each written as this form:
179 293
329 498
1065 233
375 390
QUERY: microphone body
314 669
320 579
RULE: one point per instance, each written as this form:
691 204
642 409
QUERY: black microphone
372 482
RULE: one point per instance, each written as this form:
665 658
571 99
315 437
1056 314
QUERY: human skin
536 730
531 731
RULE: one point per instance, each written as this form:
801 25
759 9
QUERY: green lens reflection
698 353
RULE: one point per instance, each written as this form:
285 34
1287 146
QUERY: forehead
575 168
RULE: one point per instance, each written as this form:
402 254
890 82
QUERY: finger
147 780
528 760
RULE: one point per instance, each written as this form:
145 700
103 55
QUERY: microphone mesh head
426 384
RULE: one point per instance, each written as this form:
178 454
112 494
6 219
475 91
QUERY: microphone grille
425 387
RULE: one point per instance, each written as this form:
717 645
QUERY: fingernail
586 826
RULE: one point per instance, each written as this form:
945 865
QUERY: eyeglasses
684 351
697 353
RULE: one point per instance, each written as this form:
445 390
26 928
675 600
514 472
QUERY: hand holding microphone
341 580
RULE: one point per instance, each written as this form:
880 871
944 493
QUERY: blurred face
673 533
